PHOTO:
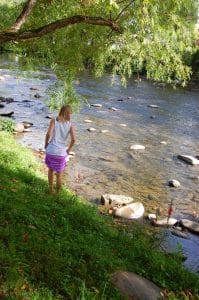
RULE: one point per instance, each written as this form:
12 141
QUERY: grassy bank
60 247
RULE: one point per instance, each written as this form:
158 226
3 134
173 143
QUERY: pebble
189 159
137 147
151 216
113 108
88 121
37 95
120 99
96 104
174 183
33 88
2 105
123 125
163 142
104 131
153 106
91 129
27 124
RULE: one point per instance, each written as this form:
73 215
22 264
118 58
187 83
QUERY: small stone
2 105
174 183
111 199
91 129
151 216
33 88
96 104
27 130
137 147
27 124
88 121
19 127
104 131
37 95
72 153
163 142
48 117
123 125
189 159
120 99
26 101
129 98
153 106
113 108
152 117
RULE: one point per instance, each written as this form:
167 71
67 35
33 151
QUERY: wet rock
136 287
195 178
9 115
88 121
37 95
6 100
152 117
49 117
197 157
91 129
189 159
19 127
121 99
33 88
165 222
153 105
130 211
137 147
179 233
26 101
104 131
96 105
27 124
190 225
27 130
129 97
123 125
2 105
113 108
112 199
174 183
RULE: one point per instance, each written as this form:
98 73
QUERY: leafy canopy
153 35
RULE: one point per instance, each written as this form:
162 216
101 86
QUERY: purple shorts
55 162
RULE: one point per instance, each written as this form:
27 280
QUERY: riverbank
56 247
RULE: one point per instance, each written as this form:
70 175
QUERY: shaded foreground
61 248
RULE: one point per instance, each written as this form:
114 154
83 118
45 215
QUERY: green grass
60 247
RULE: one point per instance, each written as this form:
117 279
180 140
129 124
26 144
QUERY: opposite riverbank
61 248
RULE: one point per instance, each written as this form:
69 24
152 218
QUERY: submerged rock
190 225
27 124
137 147
9 115
2 105
37 95
153 106
104 131
189 159
174 183
33 88
136 287
88 121
112 199
130 211
91 129
96 104
123 125
113 108
179 233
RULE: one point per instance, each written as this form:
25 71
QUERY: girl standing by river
55 145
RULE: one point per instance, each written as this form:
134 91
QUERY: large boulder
111 199
189 159
190 225
136 287
130 211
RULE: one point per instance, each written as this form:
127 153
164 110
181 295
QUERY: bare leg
50 179
59 182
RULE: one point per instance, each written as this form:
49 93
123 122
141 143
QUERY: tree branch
52 27
123 10
23 15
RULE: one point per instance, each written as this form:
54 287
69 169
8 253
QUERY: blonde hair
64 111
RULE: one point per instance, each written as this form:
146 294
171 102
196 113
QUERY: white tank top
57 144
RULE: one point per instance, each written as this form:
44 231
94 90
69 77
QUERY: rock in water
179 233
165 222
88 121
136 287
123 125
151 216
190 225
174 183
2 105
137 147
112 199
163 142
9 115
27 124
33 88
96 104
104 131
37 95
153 106
91 129
189 159
19 127
130 211
113 108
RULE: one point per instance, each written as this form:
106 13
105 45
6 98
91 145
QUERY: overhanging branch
52 27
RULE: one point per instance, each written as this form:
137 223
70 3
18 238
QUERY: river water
104 162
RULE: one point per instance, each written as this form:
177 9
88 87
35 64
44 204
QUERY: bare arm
49 132
72 139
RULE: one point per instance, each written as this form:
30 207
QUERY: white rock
190 225
96 104
88 121
27 130
189 159
123 125
165 222
91 129
174 183
115 199
104 131
19 127
163 142
113 108
72 153
137 147
130 211
151 216
153 106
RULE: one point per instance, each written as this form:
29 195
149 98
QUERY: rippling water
104 162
